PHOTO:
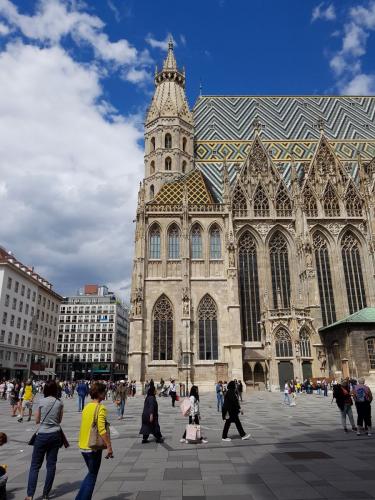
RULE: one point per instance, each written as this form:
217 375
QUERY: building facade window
154 242
196 242
168 141
283 344
184 141
280 270
351 258
305 344
208 336
152 142
168 163
323 272
283 202
174 242
162 330
249 288
184 167
215 243
152 192
152 167
370 343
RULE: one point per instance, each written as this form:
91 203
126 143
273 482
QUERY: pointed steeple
170 60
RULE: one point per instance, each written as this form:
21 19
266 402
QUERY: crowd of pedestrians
94 435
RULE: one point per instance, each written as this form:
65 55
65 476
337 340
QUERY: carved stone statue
185 302
138 301
231 254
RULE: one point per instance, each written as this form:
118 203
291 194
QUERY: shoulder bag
33 437
95 439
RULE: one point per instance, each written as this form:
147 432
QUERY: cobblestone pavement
295 453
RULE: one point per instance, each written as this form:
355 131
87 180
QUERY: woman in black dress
150 417
230 411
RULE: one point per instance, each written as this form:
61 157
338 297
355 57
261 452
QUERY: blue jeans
81 402
45 444
121 408
286 398
220 401
93 461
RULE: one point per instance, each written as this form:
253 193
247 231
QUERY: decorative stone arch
320 228
259 373
162 329
248 373
254 233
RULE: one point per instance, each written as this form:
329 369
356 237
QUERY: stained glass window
154 240
305 344
215 243
280 270
323 272
283 344
174 242
249 288
351 258
196 242
163 330
208 338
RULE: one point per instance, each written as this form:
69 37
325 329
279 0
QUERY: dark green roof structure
366 315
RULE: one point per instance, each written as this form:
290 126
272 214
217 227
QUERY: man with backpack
362 398
341 393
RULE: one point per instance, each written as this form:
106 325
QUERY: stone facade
238 263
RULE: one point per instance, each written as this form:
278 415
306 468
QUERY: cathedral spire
170 60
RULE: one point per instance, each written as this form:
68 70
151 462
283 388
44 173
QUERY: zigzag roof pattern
283 117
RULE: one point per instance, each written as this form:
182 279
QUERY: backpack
360 394
185 407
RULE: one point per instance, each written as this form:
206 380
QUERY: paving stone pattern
295 453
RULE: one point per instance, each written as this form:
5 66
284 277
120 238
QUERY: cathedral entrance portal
286 373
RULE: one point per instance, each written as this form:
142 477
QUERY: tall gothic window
283 202
168 141
323 271
370 343
196 242
353 202
154 242
162 330
330 202
208 339
152 191
174 242
261 203
152 167
184 140
239 202
351 259
183 166
283 344
215 243
309 203
249 288
305 344
152 143
168 163
280 270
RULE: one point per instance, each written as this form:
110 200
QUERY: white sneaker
204 441
226 439
183 440
369 434
248 436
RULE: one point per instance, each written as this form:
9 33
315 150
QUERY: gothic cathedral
254 229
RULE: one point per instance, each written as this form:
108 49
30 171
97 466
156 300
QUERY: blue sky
76 80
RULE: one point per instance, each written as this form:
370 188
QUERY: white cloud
159 44
4 30
325 13
359 85
183 40
70 164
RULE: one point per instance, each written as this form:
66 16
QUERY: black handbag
33 437
64 441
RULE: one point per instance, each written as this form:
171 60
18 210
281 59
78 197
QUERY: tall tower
169 128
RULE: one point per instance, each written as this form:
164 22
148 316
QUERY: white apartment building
28 321
93 336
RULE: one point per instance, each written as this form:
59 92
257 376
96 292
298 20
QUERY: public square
295 453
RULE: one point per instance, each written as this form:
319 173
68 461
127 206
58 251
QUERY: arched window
283 202
261 204
154 242
323 271
283 344
208 341
249 288
305 344
184 144
168 163
152 167
168 141
196 242
184 167
370 343
152 191
152 142
174 242
330 202
353 202
280 270
309 203
239 202
162 330
351 259
215 243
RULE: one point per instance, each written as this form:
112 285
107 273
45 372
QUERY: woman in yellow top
92 457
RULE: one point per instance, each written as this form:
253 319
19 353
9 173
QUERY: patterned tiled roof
224 128
172 193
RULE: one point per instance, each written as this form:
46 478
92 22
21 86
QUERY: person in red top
341 392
